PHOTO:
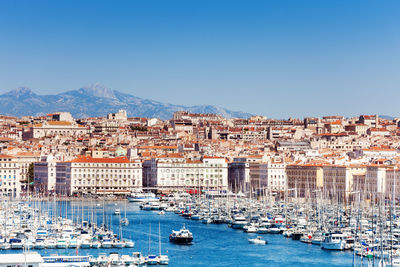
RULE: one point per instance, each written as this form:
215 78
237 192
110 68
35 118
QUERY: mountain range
97 101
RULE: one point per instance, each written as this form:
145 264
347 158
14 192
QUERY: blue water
214 245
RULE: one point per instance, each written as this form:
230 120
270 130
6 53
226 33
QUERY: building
60 116
121 115
98 176
377 152
25 159
276 175
45 174
10 176
370 120
182 126
52 128
239 175
303 180
335 182
359 129
175 172
378 131
292 146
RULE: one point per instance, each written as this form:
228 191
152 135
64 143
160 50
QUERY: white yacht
143 197
258 241
252 228
62 243
239 222
334 241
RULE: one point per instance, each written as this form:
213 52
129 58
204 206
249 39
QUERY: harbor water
213 245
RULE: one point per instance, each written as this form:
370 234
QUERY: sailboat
151 259
125 221
162 259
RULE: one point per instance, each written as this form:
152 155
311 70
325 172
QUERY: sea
213 245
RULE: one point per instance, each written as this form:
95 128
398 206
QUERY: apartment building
45 174
176 172
10 176
99 176
52 128
303 180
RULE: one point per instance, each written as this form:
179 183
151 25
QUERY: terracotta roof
379 149
59 123
6 156
88 159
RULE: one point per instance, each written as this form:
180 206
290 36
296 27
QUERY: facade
335 181
45 175
52 128
277 180
60 116
171 173
360 129
239 175
25 159
304 180
121 115
10 176
98 176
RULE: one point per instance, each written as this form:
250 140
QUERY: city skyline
279 59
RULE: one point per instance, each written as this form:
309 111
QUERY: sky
275 58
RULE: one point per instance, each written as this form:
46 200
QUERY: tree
30 175
139 128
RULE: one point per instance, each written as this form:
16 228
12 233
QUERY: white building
379 152
276 170
121 115
25 159
179 173
87 175
51 128
10 176
60 116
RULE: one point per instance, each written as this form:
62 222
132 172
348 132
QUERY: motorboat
16 243
86 243
251 228
51 243
239 222
61 243
183 236
306 238
107 243
262 230
316 238
39 244
258 241
143 197
334 241
117 211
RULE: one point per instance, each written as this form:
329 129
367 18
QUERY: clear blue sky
276 58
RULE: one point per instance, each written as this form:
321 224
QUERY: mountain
97 101
386 117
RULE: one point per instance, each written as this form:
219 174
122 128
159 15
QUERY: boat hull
181 240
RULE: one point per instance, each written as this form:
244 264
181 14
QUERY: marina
213 243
